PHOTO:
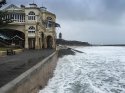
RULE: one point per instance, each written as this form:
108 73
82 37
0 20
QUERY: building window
31 29
31 16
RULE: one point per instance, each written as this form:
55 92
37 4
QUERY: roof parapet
33 5
43 8
22 6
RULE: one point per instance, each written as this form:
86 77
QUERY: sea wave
97 70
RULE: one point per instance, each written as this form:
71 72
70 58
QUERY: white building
34 26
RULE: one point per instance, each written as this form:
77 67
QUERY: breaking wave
97 70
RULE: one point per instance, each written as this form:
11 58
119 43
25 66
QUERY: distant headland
109 45
72 43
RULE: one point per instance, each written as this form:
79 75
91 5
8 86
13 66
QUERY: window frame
31 29
31 15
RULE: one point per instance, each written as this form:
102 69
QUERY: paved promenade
14 65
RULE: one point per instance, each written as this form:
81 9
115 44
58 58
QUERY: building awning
54 23
4 37
51 22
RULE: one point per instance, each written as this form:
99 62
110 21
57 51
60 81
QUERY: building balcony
31 35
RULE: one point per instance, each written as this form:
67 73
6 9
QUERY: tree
3 20
2 2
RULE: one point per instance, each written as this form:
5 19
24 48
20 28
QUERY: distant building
33 26
60 35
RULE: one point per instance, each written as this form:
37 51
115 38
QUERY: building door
42 35
31 43
49 42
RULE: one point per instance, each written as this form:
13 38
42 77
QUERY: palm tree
2 2
3 20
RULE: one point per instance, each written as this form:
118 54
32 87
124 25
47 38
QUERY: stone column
26 40
54 43
20 18
45 42
37 45
41 42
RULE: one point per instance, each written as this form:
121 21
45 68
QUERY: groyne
33 79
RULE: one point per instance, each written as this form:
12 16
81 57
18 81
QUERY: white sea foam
98 70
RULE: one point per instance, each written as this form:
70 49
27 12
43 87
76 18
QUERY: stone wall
33 79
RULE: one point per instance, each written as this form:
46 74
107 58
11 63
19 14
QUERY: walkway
13 66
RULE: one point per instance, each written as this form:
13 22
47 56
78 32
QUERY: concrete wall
33 79
3 53
17 51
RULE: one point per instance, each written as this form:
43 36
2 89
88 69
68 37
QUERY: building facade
36 25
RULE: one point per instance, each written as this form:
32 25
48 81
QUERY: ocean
97 70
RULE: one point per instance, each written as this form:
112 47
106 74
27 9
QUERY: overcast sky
94 21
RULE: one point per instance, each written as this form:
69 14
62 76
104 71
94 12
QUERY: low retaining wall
33 79
3 53
17 51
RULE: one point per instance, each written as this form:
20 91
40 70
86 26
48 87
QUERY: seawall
4 53
33 79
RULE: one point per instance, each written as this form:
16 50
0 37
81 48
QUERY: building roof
12 7
3 36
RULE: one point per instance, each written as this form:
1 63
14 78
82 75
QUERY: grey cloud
101 10
96 21
118 5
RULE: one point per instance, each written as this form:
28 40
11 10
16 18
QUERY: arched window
31 29
31 13
31 16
